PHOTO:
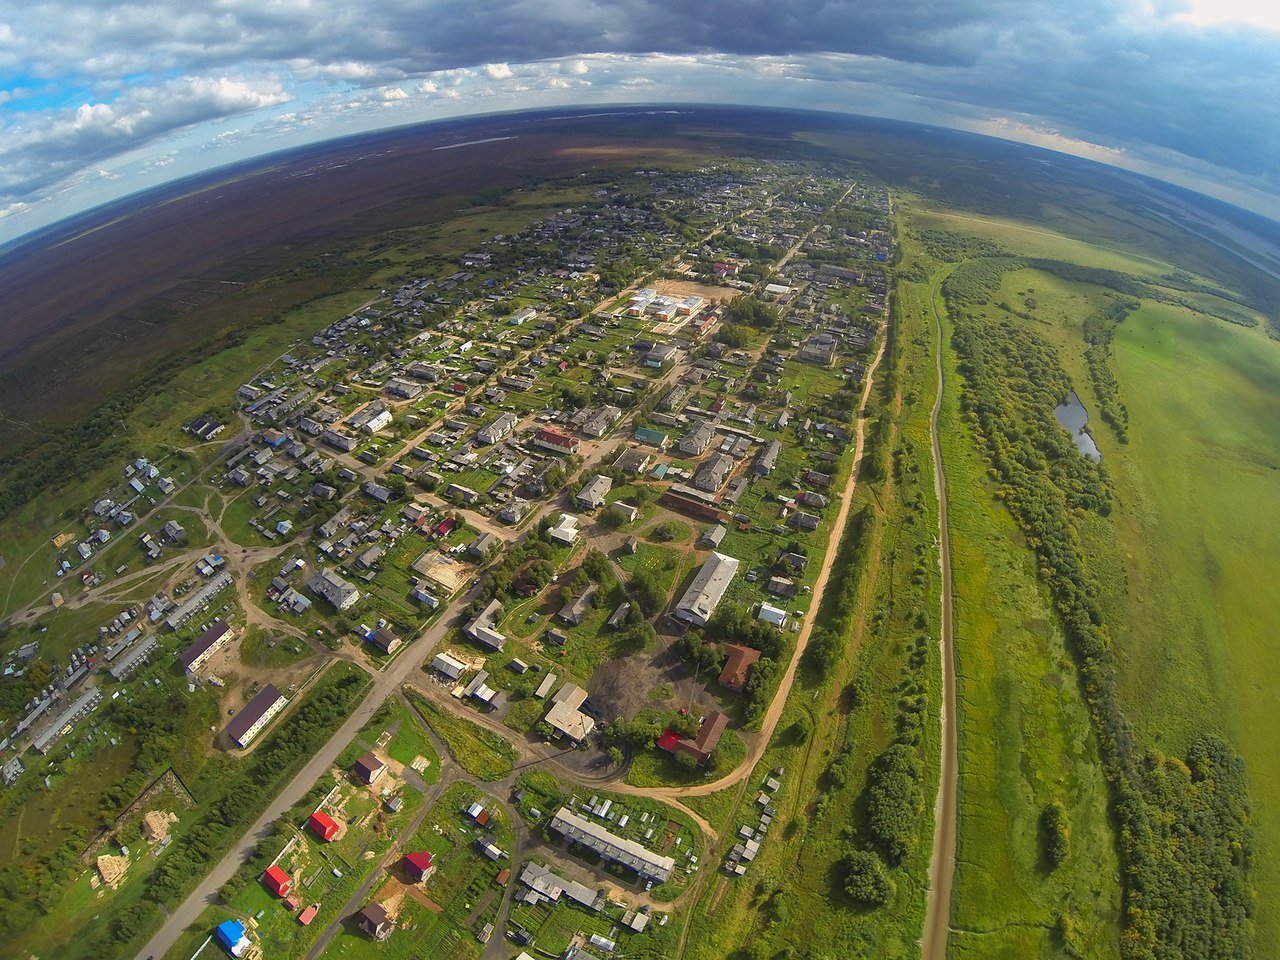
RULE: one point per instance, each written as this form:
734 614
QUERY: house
419 865
627 511
374 921
404 389
555 441
781 587
737 665
772 615
206 428
448 666
333 588
323 826
697 440
575 611
593 492
565 716
277 881
701 746
368 769
231 935
206 645
634 462
255 715
712 536
768 458
699 602
651 438
484 627
819 348
713 473
566 529
619 616
377 491
484 545
384 639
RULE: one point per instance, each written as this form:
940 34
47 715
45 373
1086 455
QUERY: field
1193 497
481 753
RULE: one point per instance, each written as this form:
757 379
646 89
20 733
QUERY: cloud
1189 81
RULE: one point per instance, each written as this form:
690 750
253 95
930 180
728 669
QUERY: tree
1055 833
865 878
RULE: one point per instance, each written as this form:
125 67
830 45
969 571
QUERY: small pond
1074 418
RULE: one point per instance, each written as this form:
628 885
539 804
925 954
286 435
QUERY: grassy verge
480 752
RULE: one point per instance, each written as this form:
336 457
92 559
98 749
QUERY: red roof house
324 826
309 914
737 665
277 881
419 865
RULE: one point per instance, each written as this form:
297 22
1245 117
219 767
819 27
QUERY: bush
1055 833
866 880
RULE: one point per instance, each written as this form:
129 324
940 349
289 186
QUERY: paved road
942 866
385 683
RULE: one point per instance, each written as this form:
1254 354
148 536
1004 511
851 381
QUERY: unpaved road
942 865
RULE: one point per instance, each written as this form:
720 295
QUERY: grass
462 886
481 753
258 648
1192 558
657 768
1025 738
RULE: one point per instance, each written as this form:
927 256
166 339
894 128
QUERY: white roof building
699 602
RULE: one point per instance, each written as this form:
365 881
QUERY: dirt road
774 713
942 866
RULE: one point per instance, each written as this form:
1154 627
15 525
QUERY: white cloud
497 71
578 67
428 86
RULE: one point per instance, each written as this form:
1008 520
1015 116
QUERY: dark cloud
1109 71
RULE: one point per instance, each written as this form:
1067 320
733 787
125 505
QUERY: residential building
565 715
448 666
499 429
701 746
327 584
699 602
255 715
629 853
385 639
593 492
219 634
713 473
697 440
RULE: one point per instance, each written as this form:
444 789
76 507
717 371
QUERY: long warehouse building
698 605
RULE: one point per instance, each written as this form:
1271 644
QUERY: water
1074 418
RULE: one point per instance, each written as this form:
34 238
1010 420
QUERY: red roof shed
668 741
325 827
419 864
309 914
277 881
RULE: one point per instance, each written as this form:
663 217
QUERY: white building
699 602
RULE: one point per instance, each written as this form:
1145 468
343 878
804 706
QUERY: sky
99 100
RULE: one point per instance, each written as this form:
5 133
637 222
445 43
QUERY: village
574 494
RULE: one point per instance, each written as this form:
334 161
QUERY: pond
1074 418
